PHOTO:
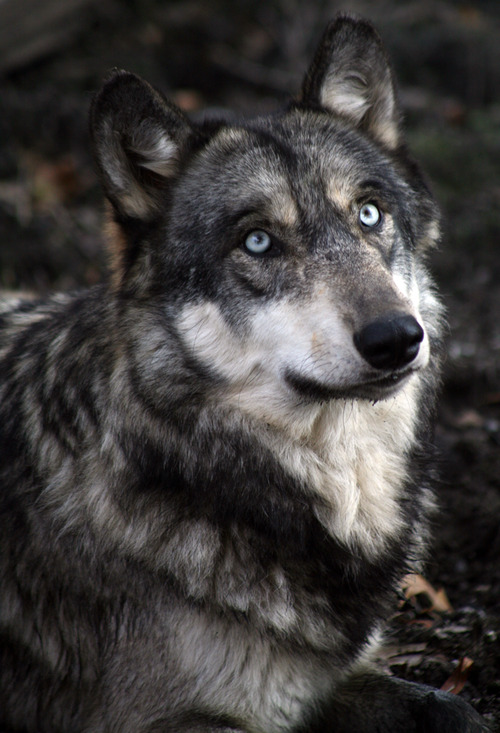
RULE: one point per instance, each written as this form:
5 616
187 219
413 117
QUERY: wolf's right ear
351 77
138 139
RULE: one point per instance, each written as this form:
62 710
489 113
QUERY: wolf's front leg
371 702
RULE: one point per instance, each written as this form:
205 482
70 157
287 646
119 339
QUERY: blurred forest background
250 55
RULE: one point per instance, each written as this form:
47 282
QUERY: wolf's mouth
374 389
390 381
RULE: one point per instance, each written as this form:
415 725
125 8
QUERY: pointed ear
139 139
351 77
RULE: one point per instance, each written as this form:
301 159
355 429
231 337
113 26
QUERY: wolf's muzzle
390 342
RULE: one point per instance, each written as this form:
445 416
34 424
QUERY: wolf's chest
355 461
231 666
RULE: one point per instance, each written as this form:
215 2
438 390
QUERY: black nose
390 342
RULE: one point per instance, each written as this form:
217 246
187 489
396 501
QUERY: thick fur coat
215 466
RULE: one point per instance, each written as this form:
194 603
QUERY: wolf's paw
441 712
372 702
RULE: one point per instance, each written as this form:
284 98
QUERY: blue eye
369 215
258 242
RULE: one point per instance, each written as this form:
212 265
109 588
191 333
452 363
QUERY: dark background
251 55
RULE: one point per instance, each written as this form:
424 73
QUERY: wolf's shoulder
21 312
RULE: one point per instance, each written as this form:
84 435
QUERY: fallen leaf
426 623
188 100
469 419
458 678
451 630
415 585
52 183
409 654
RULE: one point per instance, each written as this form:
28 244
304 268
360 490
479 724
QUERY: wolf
216 465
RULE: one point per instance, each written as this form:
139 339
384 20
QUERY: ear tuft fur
351 77
138 139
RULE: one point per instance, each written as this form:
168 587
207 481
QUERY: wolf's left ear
139 139
351 77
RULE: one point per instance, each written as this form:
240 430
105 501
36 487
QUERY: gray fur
210 486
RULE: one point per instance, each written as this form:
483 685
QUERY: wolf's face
308 261
288 248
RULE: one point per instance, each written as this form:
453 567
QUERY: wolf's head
282 254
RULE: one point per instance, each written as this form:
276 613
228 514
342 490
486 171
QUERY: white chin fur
351 453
